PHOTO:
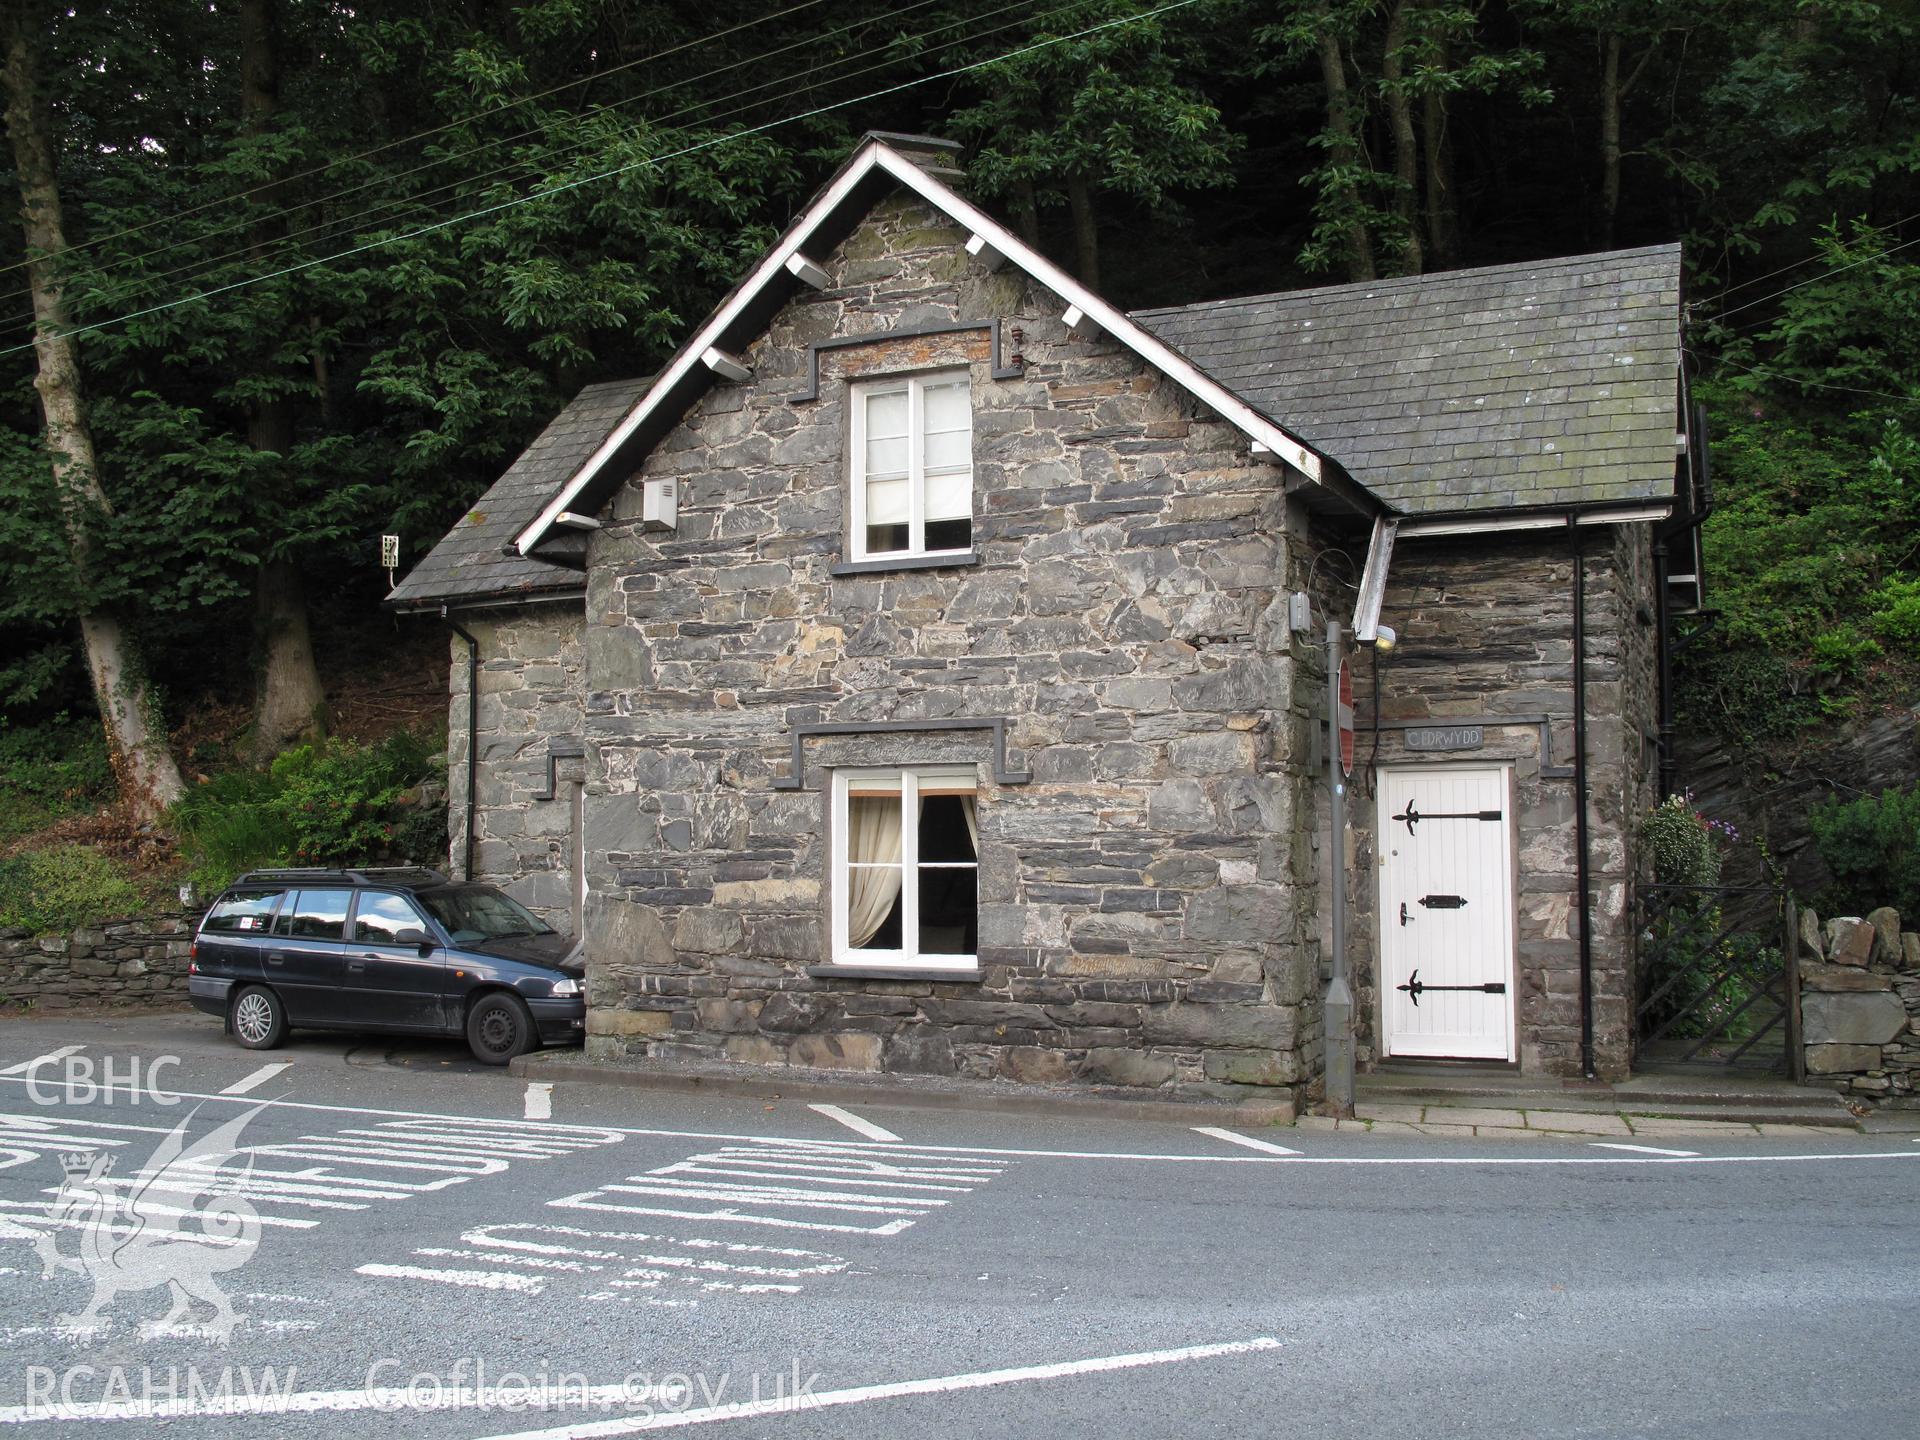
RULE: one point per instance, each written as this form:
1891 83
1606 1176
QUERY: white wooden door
1446 912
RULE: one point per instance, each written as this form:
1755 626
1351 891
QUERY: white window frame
910 779
914 388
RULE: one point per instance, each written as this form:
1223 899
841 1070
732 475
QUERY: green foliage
340 798
50 770
337 803
1681 842
1871 846
47 891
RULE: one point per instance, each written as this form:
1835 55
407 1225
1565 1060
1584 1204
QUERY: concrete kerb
908 1091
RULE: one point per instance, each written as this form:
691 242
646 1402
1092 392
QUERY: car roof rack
360 875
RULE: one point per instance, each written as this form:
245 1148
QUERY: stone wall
1124 613
137 962
1860 1006
531 701
1485 631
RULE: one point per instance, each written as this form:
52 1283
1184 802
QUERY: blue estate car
405 951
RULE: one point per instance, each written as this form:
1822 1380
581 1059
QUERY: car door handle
276 957
356 967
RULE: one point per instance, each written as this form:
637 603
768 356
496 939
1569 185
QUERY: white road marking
855 1123
267 1400
1643 1149
808 1401
1234 1138
475 1279
257 1078
539 1102
561 1130
27 1067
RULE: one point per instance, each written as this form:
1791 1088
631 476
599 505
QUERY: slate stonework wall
1860 1006
1486 629
137 962
1139 918
531 689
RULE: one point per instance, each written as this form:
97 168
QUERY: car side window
248 914
380 918
314 915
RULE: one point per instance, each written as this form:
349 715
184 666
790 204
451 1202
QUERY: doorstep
931 1092
1483 1101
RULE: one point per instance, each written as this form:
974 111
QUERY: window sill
955 560
892 972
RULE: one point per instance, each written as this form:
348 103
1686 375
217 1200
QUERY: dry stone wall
1860 1005
1140 917
133 962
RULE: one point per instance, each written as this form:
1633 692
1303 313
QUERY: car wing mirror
414 935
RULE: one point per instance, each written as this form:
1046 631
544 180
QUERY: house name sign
1446 737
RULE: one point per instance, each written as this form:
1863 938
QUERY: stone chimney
939 158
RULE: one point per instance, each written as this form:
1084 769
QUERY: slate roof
467 565
1546 383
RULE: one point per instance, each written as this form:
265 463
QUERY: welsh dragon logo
179 1222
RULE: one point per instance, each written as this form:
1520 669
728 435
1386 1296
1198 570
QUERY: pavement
438 1249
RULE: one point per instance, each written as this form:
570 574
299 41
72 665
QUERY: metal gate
1717 978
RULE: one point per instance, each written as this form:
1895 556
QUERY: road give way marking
257 1078
855 1123
1265 1146
1645 1149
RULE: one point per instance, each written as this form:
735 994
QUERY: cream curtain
873 837
968 809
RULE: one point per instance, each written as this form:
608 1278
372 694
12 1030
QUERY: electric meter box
659 504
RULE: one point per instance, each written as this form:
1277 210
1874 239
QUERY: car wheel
499 1027
259 1019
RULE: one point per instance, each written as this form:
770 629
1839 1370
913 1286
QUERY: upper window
906 862
913 467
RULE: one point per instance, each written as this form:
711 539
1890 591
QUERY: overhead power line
450 158
363 220
1816 279
385 146
651 161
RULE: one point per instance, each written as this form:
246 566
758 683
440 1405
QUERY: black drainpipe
1580 791
473 733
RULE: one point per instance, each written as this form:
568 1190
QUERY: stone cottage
926 670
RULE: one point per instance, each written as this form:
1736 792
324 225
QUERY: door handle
276 957
1404 917
356 967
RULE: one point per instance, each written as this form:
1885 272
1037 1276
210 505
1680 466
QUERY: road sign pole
1337 1013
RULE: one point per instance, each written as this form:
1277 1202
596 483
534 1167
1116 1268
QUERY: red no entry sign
1343 715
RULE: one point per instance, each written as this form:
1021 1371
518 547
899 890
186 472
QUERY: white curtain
973 823
873 835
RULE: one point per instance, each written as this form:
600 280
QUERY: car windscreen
475 913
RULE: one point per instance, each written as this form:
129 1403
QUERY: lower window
906 863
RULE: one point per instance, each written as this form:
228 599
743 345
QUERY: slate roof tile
467 565
1443 392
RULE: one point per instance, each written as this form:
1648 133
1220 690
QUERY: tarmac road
433 1238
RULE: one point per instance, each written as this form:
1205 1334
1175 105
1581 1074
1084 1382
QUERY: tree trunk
1613 94
136 739
1086 232
1443 216
290 701
1345 148
1406 145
